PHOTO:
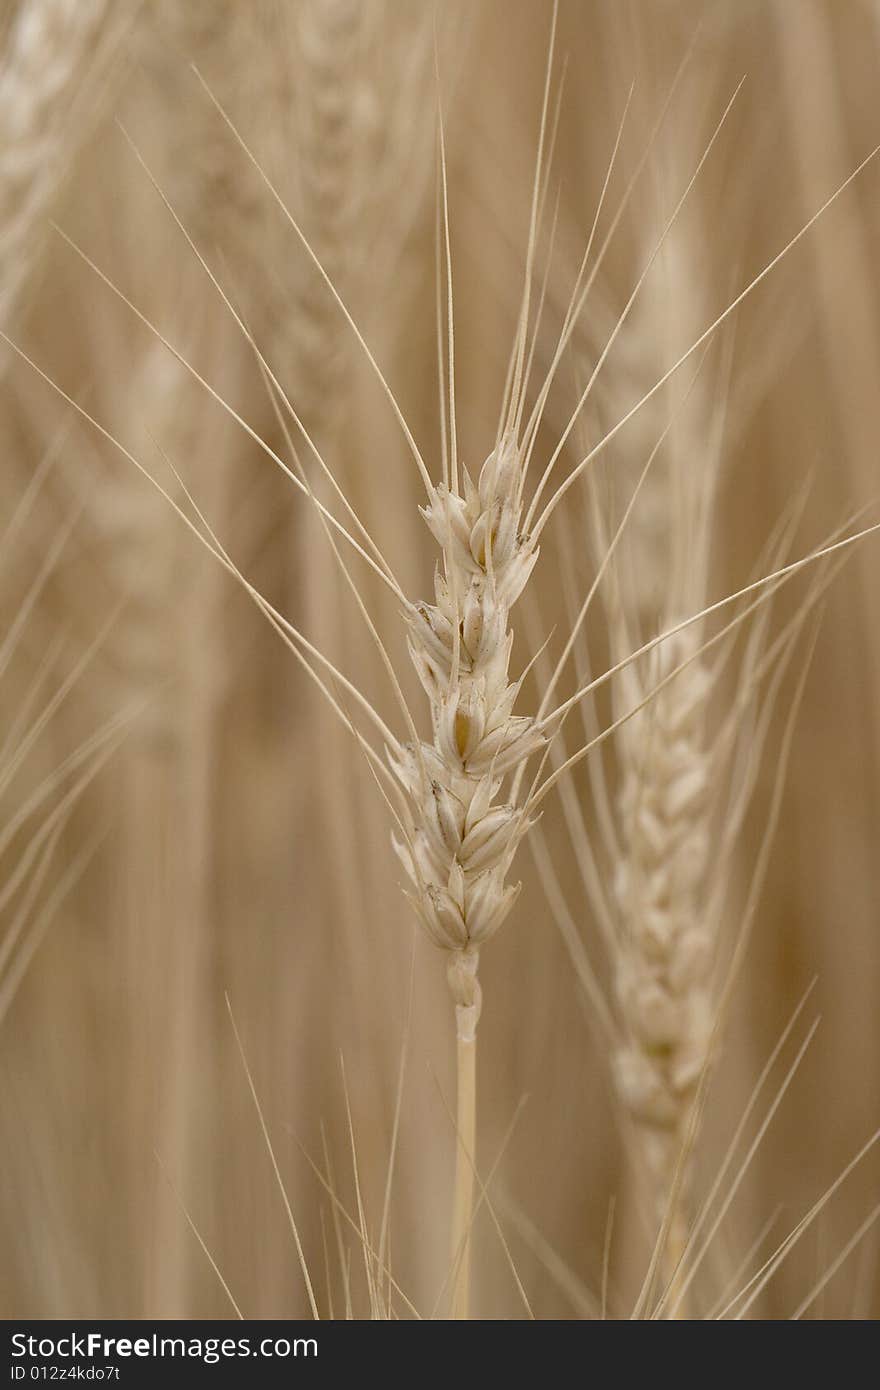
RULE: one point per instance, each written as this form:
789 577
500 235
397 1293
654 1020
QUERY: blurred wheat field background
184 818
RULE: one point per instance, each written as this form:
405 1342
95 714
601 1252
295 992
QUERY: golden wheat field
439 659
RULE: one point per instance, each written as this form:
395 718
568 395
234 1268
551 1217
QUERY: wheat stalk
461 838
42 815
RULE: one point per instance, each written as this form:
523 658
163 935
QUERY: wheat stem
463 1195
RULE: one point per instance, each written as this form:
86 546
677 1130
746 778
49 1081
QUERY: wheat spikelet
666 950
327 109
353 149
655 895
462 838
668 766
49 64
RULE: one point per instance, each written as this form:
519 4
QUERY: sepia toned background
188 825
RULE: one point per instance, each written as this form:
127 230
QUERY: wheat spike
54 54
